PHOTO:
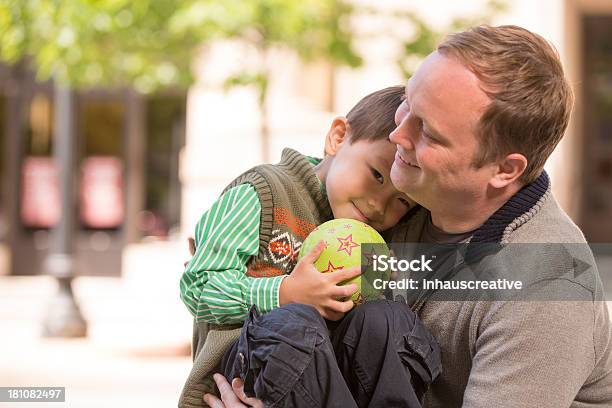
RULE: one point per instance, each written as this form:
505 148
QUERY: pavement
136 353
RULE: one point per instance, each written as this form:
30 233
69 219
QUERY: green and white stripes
214 286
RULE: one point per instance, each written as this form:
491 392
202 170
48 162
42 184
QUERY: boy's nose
377 208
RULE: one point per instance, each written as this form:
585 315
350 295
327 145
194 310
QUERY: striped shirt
214 286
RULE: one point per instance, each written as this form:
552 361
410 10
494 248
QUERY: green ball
344 238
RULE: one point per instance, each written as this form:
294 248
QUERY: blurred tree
137 43
103 42
425 38
314 29
150 43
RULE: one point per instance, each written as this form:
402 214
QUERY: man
482 114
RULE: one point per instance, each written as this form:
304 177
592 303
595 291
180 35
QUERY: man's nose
401 135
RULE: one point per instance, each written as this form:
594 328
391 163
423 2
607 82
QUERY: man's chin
410 190
402 183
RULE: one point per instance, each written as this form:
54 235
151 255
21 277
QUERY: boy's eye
379 177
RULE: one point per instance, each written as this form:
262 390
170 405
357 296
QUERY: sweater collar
520 203
492 231
303 168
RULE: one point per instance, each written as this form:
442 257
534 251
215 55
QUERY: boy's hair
373 118
531 99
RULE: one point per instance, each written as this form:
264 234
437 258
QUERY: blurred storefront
126 174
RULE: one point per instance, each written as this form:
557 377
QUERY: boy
352 181
247 243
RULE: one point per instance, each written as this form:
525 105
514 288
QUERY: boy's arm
214 286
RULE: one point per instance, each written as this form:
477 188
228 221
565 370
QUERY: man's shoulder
560 247
546 222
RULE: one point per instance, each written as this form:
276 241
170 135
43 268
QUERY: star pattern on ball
332 268
347 244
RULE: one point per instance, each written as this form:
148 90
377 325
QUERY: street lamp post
63 318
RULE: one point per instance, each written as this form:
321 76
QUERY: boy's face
359 186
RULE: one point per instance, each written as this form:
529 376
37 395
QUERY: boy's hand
309 286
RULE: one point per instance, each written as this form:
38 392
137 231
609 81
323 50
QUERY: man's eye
427 135
379 177
405 202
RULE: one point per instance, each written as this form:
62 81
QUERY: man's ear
336 136
509 170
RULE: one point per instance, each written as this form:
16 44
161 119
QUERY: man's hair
531 100
373 118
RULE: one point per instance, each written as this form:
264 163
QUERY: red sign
102 192
40 200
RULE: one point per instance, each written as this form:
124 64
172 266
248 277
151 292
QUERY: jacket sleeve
214 286
533 353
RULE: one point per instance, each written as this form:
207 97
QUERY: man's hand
192 248
231 397
309 286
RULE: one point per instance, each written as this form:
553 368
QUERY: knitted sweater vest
292 205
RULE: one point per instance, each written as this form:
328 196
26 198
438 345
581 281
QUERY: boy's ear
337 134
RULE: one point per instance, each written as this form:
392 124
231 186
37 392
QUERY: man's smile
403 162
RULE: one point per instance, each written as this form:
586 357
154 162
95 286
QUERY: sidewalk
137 350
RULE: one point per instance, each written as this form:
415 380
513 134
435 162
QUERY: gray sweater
521 353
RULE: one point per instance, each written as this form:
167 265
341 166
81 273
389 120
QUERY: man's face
359 187
436 135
